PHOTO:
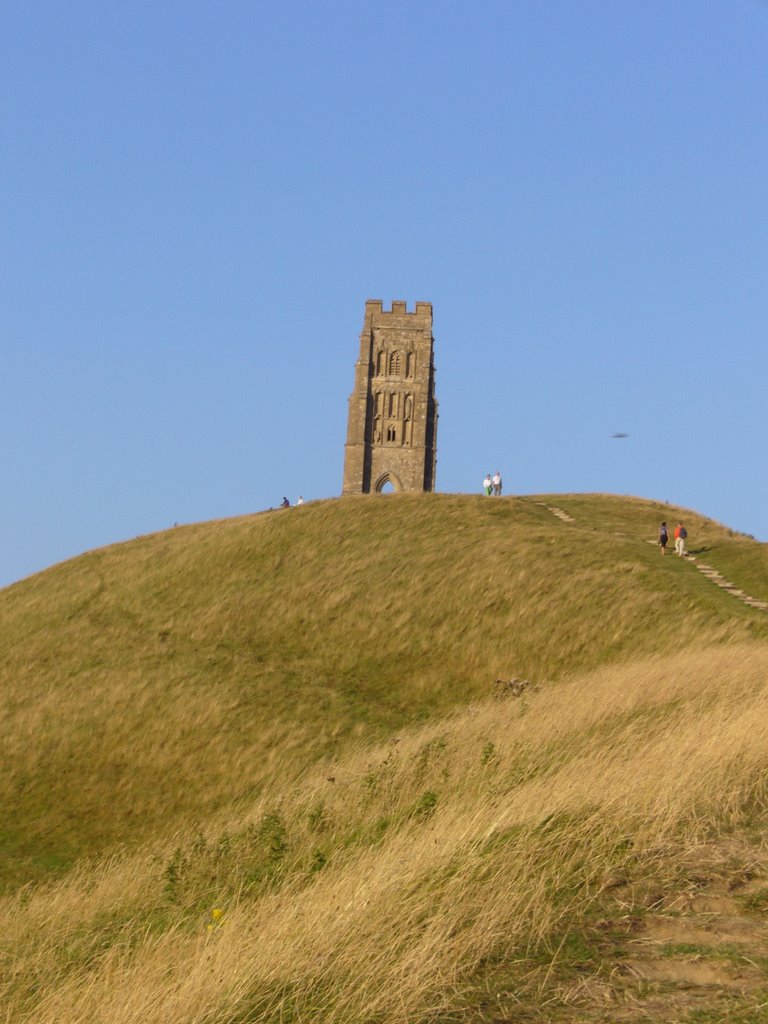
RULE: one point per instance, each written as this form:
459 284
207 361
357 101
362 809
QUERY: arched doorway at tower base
388 483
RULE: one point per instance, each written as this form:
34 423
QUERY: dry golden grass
470 841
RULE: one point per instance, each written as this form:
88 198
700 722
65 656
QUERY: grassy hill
292 717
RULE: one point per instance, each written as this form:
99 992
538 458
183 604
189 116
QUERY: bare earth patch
694 953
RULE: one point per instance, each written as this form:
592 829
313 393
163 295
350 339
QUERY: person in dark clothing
663 538
680 535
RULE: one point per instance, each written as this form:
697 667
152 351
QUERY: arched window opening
387 487
395 364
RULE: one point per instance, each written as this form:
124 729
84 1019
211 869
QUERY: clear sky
197 198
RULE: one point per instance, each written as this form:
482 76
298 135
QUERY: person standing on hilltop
487 483
663 538
496 483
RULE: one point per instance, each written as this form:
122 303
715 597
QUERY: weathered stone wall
392 427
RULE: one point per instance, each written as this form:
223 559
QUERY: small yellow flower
217 913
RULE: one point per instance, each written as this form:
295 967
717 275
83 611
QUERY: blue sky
197 198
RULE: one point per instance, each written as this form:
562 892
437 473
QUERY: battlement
399 308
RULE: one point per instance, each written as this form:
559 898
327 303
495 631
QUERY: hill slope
590 851
284 733
154 684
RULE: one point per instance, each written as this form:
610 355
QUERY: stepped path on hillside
689 947
706 570
693 951
698 946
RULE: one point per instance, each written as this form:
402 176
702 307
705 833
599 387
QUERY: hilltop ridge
155 682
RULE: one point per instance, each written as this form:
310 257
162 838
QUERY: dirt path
689 946
698 954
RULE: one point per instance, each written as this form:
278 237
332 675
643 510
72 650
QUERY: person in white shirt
496 483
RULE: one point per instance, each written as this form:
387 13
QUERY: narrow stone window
395 364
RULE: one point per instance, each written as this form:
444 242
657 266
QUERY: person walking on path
496 483
663 538
487 483
680 534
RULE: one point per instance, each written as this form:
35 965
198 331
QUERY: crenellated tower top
399 308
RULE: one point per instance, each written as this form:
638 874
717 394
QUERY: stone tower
392 430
